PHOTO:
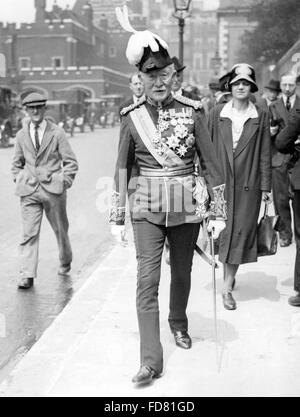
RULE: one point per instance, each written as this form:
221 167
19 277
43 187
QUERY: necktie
288 104
36 138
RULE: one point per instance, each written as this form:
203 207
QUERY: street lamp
181 13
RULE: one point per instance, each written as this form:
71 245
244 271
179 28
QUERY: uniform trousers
32 208
149 241
296 209
282 195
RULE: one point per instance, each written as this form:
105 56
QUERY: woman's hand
267 197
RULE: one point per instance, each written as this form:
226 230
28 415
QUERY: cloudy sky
23 10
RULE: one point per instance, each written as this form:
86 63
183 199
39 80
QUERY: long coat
247 173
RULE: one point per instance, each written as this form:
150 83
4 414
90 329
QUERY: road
24 315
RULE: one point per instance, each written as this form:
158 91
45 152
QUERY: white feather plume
139 40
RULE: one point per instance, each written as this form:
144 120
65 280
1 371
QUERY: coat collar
250 128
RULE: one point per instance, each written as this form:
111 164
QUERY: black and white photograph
149 201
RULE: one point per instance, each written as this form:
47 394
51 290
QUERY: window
57 61
24 62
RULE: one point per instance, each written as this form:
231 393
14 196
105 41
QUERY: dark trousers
296 209
149 241
32 208
282 196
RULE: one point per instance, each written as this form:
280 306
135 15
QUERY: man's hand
267 197
215 227
119 234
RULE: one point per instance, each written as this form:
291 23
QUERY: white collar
228 111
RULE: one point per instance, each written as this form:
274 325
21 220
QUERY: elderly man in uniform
288 141
44 167
281 163
162 134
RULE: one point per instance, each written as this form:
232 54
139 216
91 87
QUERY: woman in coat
240 133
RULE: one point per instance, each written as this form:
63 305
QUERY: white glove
119 233
215 227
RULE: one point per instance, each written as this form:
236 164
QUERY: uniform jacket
280 113
53 167
247 173
166 201
285 143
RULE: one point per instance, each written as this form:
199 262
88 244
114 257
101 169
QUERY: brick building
63 53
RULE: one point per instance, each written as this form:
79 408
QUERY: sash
147 130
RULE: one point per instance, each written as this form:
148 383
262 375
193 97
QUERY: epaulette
189 102
132 106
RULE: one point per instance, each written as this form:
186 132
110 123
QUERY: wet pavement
24 315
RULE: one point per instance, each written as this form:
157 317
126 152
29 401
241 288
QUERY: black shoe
182 339
64 269
295 300
25 283
145 375
228 301
285 242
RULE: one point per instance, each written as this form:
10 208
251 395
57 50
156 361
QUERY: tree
278 28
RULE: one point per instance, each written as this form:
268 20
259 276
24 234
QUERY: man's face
288 85
271 94
36 113
177 81
158 83
137 86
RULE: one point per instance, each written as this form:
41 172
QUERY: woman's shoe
228 301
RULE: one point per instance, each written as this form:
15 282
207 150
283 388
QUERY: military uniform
163 205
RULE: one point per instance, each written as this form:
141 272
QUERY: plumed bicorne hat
146 50
177 64
239 72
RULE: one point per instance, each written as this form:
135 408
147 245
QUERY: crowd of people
183 162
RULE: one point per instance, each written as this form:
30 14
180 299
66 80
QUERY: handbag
266 234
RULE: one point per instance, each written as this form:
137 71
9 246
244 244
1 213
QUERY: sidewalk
92 348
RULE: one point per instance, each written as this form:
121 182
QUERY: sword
207 258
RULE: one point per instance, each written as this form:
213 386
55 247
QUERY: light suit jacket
53 167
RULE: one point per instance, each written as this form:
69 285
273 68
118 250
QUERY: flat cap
34 99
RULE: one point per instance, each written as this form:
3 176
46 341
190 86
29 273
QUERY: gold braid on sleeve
218 207
116 213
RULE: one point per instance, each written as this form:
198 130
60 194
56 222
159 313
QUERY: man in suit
44 167
272 90
137 87
288 140
281 163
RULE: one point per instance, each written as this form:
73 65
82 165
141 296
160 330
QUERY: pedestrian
272 90
44 167
162 135
240 133
288 140
138 92
281 163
